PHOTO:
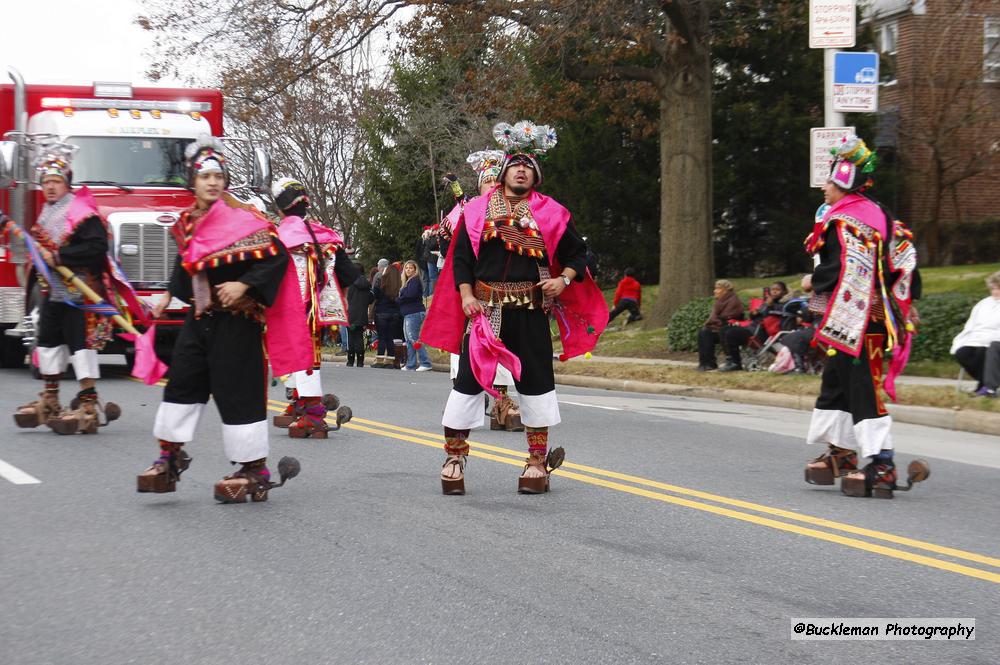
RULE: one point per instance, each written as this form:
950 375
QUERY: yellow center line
717 510
433 440
421 437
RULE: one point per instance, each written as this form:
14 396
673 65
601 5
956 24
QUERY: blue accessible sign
855 82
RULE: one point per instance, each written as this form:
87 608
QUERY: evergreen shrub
683 327
942 316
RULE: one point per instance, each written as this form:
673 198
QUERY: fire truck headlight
129 250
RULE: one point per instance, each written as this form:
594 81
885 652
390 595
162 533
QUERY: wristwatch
566 280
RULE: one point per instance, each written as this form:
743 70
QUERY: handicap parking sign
855 82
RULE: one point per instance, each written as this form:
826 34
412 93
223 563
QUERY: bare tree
658 49
279 89
954 130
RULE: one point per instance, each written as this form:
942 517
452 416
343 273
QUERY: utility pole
831 118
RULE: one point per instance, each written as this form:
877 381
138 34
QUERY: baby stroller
759 356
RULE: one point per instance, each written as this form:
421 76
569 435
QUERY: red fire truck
131 156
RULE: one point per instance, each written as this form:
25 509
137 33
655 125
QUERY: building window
991 50
887 38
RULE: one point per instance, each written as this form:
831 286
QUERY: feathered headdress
55 159
525 143
853 165
206 155
486 164
289 192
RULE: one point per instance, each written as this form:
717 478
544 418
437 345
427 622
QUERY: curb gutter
978 422
965 421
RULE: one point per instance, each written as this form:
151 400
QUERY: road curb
960 420
978 422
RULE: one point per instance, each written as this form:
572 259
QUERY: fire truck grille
11 304
146 252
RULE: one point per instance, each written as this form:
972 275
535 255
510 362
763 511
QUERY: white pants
307 382
241 443
56 359
466 411
868 437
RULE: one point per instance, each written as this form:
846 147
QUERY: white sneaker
406 369
424 368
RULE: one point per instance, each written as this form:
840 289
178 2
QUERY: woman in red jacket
628 295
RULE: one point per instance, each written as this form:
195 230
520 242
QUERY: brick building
939 120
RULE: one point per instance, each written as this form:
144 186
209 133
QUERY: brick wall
948 117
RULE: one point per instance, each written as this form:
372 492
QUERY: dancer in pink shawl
323 269
515 259
70 232
505 414
864 286
236 274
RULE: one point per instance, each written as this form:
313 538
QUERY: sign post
821 141
831 26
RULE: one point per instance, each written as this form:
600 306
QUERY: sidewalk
980 422
908 380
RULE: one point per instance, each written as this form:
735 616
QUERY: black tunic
496 264
262 275
221 354
86 247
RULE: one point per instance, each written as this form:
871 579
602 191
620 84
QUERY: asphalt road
679 531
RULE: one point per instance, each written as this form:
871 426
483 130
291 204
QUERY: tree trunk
932 230
686 261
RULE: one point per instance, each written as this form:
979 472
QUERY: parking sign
855 82
832 23
821 141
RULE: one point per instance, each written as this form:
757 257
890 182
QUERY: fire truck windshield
130 160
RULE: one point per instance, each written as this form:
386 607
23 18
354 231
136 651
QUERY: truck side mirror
8 164
260 179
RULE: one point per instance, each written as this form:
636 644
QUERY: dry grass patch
944 397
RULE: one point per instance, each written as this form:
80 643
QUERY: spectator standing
422 252
977 347
434 257
727 306
388 320
411 306
359 297
379 269
628 296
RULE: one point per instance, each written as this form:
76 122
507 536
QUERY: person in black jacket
359 297
231 267
66 332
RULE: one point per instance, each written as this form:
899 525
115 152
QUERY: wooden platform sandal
85 417
878 480
164 473
253 481
540 469
506 415
453 475
39 412
832 464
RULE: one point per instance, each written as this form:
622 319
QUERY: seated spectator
766 320
977 347
628 295
797 342
727 306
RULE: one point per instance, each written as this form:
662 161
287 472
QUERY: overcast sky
74 41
